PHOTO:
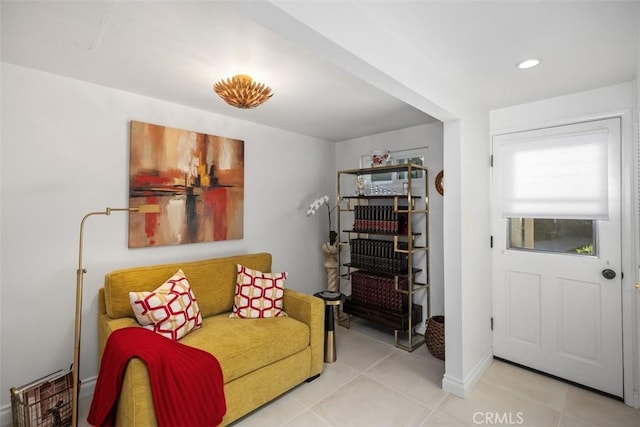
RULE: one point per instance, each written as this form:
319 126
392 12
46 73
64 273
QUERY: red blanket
186 383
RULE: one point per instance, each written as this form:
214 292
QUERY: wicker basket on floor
434 336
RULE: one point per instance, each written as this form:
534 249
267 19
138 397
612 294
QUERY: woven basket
434 336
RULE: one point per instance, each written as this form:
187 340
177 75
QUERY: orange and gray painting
196 179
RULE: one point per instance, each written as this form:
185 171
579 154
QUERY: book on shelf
379 291
379 219
378 255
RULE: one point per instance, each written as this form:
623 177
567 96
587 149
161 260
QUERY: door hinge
492 323
491 242
491 161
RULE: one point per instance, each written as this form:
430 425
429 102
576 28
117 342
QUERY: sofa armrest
107 324
309 310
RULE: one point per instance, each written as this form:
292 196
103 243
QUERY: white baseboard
462 388
86 390
5 416
633 401
88 386
453 386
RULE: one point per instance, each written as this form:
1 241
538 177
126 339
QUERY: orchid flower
315 206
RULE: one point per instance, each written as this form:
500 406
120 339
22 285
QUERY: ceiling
175 50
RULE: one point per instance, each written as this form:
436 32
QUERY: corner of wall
462 387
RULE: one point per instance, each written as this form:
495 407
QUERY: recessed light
529 63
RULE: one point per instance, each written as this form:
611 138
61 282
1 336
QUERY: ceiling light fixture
242 92
529 63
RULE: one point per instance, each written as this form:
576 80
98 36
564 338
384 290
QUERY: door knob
608 273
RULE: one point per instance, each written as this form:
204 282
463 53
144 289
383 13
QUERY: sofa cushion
212 281
258 294
244 346
171 310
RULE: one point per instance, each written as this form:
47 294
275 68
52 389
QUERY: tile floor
373 383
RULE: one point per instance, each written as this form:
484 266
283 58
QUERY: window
570 236
394 180
561 176
415 174
555 187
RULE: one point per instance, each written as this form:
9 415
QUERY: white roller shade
560 176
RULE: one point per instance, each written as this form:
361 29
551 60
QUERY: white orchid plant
315 206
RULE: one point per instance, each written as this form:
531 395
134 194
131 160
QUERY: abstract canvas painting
196 179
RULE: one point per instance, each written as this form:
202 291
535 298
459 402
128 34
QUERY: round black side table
331 300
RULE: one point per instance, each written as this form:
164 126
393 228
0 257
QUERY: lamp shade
242 92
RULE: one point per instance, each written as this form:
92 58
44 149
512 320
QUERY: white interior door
554 309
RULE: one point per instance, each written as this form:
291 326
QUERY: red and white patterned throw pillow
171 310
258 294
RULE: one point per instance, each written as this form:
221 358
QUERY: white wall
467 252
637 197
102 117
65 152
598 103
2 384
430 138
354 38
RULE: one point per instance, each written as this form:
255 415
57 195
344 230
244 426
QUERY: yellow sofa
260 358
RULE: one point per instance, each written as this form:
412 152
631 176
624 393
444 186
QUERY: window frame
395 180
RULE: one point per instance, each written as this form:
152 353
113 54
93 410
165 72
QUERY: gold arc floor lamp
79 286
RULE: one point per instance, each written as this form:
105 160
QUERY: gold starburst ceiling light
242 92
